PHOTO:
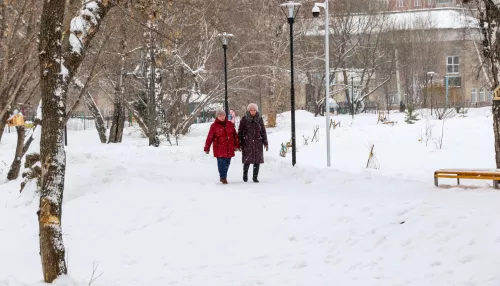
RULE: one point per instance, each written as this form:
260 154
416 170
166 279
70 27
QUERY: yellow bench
470 174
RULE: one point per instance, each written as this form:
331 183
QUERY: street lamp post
290 9
315 12
431 73
225 38
425 92
352 96
446 83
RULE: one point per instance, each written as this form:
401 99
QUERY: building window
401 3
429 2
444 1
490 96
417 3
452 64
482 95
453 81
473 95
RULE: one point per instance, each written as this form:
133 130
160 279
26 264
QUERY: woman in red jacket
225 139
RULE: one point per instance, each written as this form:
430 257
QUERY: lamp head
290 8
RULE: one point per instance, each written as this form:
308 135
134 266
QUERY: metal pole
425 92
226 103
292 92
432 94
327 84
352 96
65 135
446 80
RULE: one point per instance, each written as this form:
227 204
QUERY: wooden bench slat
468 171
470 177
473 174
467 174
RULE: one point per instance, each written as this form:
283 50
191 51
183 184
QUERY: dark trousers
223 165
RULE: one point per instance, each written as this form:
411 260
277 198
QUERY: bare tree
59 61
19 22
359 59
489 21
16 165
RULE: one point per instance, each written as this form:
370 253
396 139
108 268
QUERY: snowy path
158 216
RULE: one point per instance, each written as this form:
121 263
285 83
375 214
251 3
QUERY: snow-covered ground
159 216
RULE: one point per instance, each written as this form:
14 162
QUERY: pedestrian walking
225 142
253 140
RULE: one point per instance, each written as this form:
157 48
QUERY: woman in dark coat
253 138
223 135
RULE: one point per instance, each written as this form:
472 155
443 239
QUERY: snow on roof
420 19
438 18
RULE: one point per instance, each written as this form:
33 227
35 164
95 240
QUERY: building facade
437 56
405 5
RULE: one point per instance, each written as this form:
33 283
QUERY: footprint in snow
302 264
436 263
466 259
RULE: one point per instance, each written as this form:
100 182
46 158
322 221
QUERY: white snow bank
159 216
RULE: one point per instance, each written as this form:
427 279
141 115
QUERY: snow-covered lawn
159 216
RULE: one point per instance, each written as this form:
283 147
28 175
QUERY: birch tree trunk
16 164
153 86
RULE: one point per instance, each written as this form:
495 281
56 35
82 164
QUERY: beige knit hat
254 106
219 111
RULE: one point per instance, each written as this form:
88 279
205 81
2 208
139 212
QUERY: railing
78 122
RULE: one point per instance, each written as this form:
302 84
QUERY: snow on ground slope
159 216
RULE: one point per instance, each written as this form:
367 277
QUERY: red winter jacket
223 135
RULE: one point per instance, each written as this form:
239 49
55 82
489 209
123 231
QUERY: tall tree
489 21
60 56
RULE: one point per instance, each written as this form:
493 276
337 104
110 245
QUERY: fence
77 122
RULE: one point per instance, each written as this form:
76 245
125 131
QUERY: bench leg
436 182
495 184
458 181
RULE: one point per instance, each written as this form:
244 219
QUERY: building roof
420 19
437 18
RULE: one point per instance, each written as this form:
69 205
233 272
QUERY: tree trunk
16 164
96 113
119 114
152 86
3 122
116 131
489 20
53 156
496 130
57 69
348 98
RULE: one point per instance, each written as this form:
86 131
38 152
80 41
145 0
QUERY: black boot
256 172
245 172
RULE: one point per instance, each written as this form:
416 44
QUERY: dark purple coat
253 137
